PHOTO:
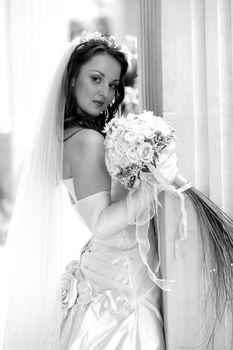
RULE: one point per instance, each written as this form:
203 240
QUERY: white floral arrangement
133 143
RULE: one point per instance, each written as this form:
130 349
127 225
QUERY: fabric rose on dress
69 286
73 290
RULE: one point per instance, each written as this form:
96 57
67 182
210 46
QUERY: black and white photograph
116 175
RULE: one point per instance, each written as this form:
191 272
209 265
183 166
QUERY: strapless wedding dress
118 306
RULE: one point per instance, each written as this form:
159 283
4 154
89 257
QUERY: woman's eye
96 79
114 86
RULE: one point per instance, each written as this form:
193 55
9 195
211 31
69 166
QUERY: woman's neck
84 115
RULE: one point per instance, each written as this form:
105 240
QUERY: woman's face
96 83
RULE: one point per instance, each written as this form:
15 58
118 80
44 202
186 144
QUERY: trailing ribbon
152 183
181 234
148 209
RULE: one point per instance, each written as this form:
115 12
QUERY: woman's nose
104 90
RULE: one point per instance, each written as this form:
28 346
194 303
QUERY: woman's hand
167 168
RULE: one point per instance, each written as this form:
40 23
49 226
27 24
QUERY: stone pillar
226 100
201 144
150 56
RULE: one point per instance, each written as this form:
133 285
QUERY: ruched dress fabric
118 306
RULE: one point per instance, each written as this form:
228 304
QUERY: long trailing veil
34 245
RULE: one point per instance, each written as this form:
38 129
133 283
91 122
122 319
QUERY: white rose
141 138
124 162
131 136
110 143
132 155
149 132
130 117
121 146
145 116
110 161
145 152
142 118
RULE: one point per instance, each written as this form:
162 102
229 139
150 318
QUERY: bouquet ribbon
150 189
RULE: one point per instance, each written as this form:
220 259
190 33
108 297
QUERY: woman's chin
94 112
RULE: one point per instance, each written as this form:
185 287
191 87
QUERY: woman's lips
99 103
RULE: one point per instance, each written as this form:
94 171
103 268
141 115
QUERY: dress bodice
125 247
117 190
126 239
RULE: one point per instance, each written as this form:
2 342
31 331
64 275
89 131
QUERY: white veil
34 245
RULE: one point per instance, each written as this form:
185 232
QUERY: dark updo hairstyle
82 54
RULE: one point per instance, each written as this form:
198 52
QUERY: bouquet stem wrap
216 229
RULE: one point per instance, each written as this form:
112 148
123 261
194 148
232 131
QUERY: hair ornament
105 38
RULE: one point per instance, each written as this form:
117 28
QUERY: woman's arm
85 154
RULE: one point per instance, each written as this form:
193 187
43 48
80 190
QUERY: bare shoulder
85 163
85 138
85 142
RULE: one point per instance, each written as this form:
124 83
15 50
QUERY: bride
106 299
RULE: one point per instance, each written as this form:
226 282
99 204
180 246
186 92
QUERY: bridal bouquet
134 143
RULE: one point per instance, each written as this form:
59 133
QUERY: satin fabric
119 306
